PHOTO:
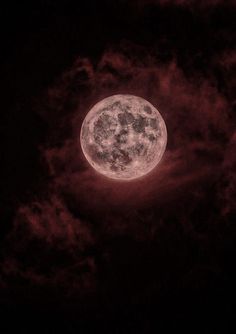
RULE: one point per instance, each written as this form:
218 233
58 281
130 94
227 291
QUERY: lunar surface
123 137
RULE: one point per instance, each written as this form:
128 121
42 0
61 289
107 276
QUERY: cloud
196 115
79 207
47 247
50 220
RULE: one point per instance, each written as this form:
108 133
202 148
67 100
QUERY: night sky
81 253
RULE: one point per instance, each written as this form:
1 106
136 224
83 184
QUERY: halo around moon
123 137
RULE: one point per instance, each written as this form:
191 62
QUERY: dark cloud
80 209
83 253
48 246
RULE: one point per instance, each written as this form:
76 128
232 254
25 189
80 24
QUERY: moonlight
123 137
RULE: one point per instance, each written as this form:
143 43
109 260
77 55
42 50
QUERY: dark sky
80 253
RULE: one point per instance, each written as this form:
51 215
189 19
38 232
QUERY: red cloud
198 124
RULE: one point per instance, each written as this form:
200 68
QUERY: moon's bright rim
137 172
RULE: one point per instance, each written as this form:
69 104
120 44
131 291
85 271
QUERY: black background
40 40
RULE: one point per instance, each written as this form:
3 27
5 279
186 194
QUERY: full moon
123 137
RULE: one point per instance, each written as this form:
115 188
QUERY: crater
147 109
139 124
125 118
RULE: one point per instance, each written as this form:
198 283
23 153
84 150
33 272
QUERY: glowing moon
123 137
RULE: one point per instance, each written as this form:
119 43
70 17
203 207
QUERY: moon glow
123 137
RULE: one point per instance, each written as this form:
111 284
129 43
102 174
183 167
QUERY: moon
123 137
